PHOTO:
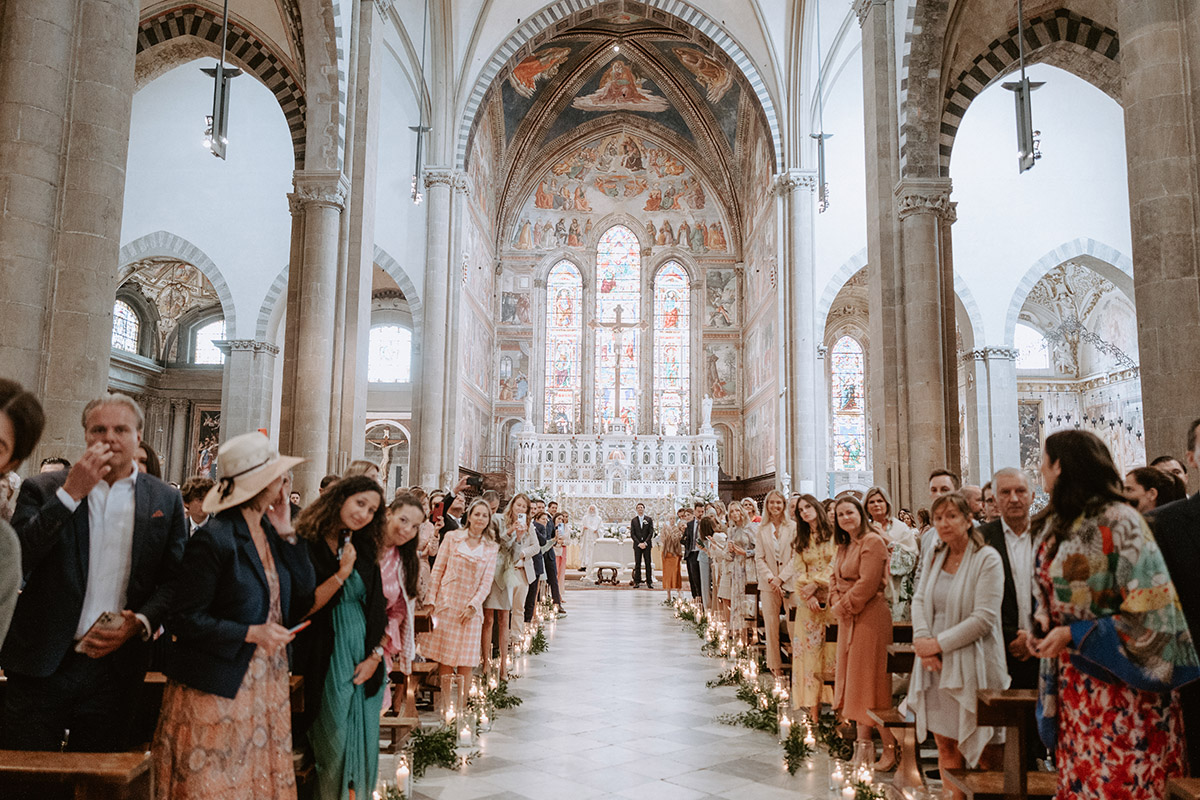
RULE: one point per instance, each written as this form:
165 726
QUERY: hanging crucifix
618 328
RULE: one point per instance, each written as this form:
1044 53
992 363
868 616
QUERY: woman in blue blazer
225 725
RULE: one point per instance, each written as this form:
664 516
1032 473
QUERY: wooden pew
1183 789
1006 709
94 776
900 660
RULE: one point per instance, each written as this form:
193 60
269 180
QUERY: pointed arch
672 347
162 244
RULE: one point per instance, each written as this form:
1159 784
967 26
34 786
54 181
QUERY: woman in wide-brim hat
225 725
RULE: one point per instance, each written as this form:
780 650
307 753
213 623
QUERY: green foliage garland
827 734
500 698
795 751
759 719
434 748
538 644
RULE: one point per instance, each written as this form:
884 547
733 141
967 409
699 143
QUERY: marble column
889 439
991 412
66 89
1160 60
363 155
431 420
925 213
800 341
177 447
319 197
246 385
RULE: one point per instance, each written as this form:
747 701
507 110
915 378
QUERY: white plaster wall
1006 221
399 223
235 211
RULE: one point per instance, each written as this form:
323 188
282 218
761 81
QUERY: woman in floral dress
743 608
1116 645
813 567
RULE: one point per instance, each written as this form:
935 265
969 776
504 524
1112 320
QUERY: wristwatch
378 651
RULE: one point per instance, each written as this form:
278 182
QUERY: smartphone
521 518
345 541
300 627
107 621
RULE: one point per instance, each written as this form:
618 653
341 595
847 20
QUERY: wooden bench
1183 789
394 732
1008 709
94 776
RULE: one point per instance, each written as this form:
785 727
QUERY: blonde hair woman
773 563
740 569
499 603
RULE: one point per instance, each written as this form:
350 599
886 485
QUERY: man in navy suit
101 537
1177 530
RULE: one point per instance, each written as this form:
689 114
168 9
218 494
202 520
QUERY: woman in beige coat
773 566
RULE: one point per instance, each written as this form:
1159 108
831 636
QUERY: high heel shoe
887 759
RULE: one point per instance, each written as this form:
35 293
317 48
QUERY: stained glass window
618 299
1032 352
564 347
671 354
126 327
206 352
389 358
849 408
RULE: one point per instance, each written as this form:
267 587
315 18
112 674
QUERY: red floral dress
1114 741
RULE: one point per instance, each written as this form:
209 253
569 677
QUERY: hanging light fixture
420 128
216 125
1028 140
821 135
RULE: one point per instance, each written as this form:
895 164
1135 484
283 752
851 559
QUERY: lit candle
464 735
809 741
848 792
785 727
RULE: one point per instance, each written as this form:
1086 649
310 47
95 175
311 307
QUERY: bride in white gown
591 529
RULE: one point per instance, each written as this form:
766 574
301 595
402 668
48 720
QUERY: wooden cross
618 328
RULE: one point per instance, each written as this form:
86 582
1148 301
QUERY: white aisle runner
618 708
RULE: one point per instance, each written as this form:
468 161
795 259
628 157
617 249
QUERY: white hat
248 465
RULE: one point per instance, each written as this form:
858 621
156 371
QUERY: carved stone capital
792 179
862 8
256 346
990 353
324 188
925 196
455 179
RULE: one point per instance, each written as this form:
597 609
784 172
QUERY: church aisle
618 708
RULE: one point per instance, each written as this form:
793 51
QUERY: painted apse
618 120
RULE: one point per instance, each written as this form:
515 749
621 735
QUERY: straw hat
248 465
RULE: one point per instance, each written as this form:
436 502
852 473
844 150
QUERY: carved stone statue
529 412
706 414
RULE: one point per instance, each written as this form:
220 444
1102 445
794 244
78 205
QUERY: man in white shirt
101 538
1011 536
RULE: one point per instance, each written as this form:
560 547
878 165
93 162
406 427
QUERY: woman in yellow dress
812 566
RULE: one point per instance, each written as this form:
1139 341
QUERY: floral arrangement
618 532
690 500
542 493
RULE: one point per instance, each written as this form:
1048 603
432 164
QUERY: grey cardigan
972 645
10 575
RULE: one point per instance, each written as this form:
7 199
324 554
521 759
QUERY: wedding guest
341 655
561 535
1116 645
506 577
244 581
902 551
400 570
194 491
864 624
21 423
1150 487
974 497
54 464
1172 465
101 539
704 534
462 578
751 506
718 554
812 567
327 481
691 550
907 518
591 531
672 554
743 607
957 637
773 566
147 460
362 466
990 511
923 522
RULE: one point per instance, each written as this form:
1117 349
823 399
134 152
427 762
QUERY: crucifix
618 328
386 447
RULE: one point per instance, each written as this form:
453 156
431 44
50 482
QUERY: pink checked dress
461 577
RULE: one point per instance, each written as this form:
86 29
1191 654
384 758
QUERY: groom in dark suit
1177 530
99 538
641 530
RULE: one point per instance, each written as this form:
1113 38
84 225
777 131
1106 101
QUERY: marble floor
617 707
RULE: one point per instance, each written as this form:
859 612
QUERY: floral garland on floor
770 709
449 744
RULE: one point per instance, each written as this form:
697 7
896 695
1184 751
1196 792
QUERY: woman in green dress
341 654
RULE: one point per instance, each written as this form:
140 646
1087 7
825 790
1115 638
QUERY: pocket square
157 514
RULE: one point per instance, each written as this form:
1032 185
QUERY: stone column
363 153
246 385
66 89
1160 59
889 438
320 197
177 448
429 412
925 211
992 396
799 336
